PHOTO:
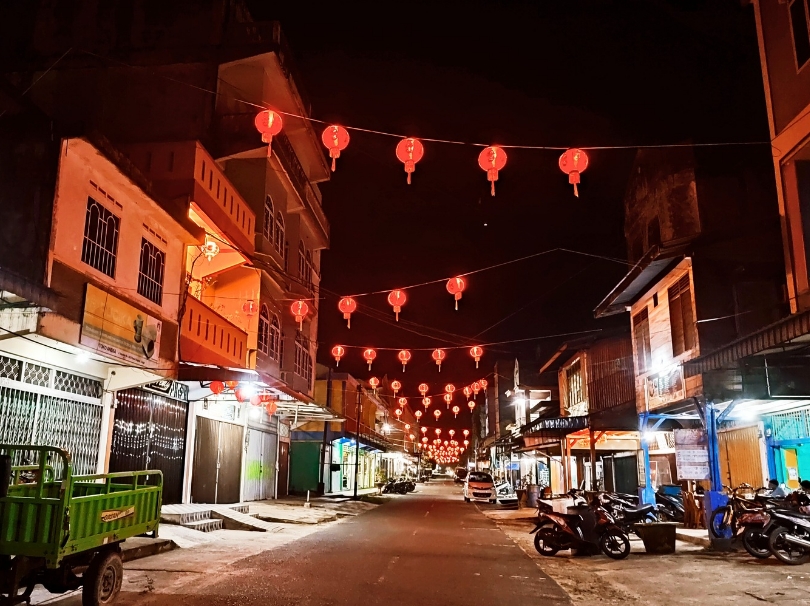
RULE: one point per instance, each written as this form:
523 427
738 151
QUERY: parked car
479 486
461 475
506 495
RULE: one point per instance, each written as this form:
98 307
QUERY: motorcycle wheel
756 543
666 514
786 552
717 524
615 544
545 541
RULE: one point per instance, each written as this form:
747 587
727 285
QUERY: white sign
692 454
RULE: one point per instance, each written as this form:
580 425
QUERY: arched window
302 263
303 359
278 241
309 271
269 215
264 330
275 339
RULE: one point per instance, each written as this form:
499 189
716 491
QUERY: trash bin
532 494
658 537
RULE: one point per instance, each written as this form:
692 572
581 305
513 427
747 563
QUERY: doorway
217 467
282 487
260 465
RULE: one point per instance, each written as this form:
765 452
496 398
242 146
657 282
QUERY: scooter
585 532
790 541
670 506
627 514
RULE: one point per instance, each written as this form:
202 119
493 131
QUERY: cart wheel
102 581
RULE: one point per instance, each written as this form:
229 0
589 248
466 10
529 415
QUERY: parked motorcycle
627 514
758 526
670 504
586 532
790 540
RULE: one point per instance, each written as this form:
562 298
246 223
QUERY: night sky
623 72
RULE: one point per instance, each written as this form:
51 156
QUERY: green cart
65 531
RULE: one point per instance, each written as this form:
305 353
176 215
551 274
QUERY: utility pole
357 439
322 474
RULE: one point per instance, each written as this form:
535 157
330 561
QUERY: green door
305 459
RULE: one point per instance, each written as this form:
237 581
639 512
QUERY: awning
789 333
26 289
547 432
657 262
188 371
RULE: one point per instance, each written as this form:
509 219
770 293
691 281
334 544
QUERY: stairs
199 517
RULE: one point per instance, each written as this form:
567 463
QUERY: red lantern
492 159
483 383
398 412
438 430
476 387
396 299
338 352
423 430
466 443
438 356
395 386
456 410
424 440
449 388
375 383
271 408
471 404
418 415
467 392
403 402
368 356
448 397
231 384
437 413
255 400
426 402
456 286
241 394
410 151
300 309
269 124
335 138
423 388
347 306
216 387
249 308
466 432
573 162
407 427
404 357
476 352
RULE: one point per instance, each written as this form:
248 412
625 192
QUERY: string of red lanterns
404 356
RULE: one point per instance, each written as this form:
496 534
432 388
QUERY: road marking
426 513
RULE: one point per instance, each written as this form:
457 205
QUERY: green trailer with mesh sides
64 531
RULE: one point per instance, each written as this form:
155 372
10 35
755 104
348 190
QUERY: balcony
208 338
185 170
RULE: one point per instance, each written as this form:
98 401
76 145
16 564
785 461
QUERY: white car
478 486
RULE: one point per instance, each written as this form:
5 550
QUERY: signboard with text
664 387
692 454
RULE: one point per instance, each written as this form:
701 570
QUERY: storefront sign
119 330
692 454
664 387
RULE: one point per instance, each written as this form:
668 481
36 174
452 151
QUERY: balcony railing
208 338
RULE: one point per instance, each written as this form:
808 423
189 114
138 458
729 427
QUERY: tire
787 552
717 525
755 543
493 501
542 538
466 499
102 580
615 544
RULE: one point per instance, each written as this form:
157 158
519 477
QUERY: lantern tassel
456 304
333 164
492 190
337 363
576 193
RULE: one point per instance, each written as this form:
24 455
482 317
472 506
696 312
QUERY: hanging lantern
424 439
269 124
466 443
452 432
456 410
456 286
492 159
335 138
573 162
210 249
249 308
476 387
231 384
396 299
271 408
255 400
426 402
375 383
403 402
409 152
438 356
467 392
216 387
466 432
398 412
407 427
368 356
448 397
395 386
437 413
449 388
438 432
411 437
476 352
471 404
446 443
483 383
404 357
242 394
347 306
418 415
338 351
423 388
300 309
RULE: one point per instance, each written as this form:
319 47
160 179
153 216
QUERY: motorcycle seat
641 510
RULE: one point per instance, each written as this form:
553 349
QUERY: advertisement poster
692 454
664 387
119 330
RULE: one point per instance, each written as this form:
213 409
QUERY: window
150 274
269 218
308 271
279 239
681 317
264 331
302 264
641 335
303 361
801 32
286 256
275 339
100 245
573 379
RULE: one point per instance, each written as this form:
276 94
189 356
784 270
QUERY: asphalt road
426 548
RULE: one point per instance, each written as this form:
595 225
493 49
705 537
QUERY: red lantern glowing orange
374 382
483 383
466 432
476 387
403 402
573 162
466 443
241 394
423 388
398 412
471 404
395 386
411 436
336 139
347 307
407 427
300 309
418 415
255 400
423 429
437 413
216 387
456 286
476 352
449 388
426 402
425 440
269 124
448 397
271 408
338 351
249 308
409 152
456 410
467 392
452 432
404 357
231 384
396 299
492 159
368 356
438 356
437 431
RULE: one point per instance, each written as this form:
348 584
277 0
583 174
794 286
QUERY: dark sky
581 73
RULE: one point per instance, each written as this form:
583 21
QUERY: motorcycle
590 530
790 541
758 528
670 505
626 514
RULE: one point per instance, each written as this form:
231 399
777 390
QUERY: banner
692 454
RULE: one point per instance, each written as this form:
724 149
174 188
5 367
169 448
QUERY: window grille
264 330
278 241
100 245
269 218
150 275
275 339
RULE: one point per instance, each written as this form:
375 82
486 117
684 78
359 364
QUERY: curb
687 538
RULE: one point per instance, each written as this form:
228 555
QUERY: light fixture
210 249
82 357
